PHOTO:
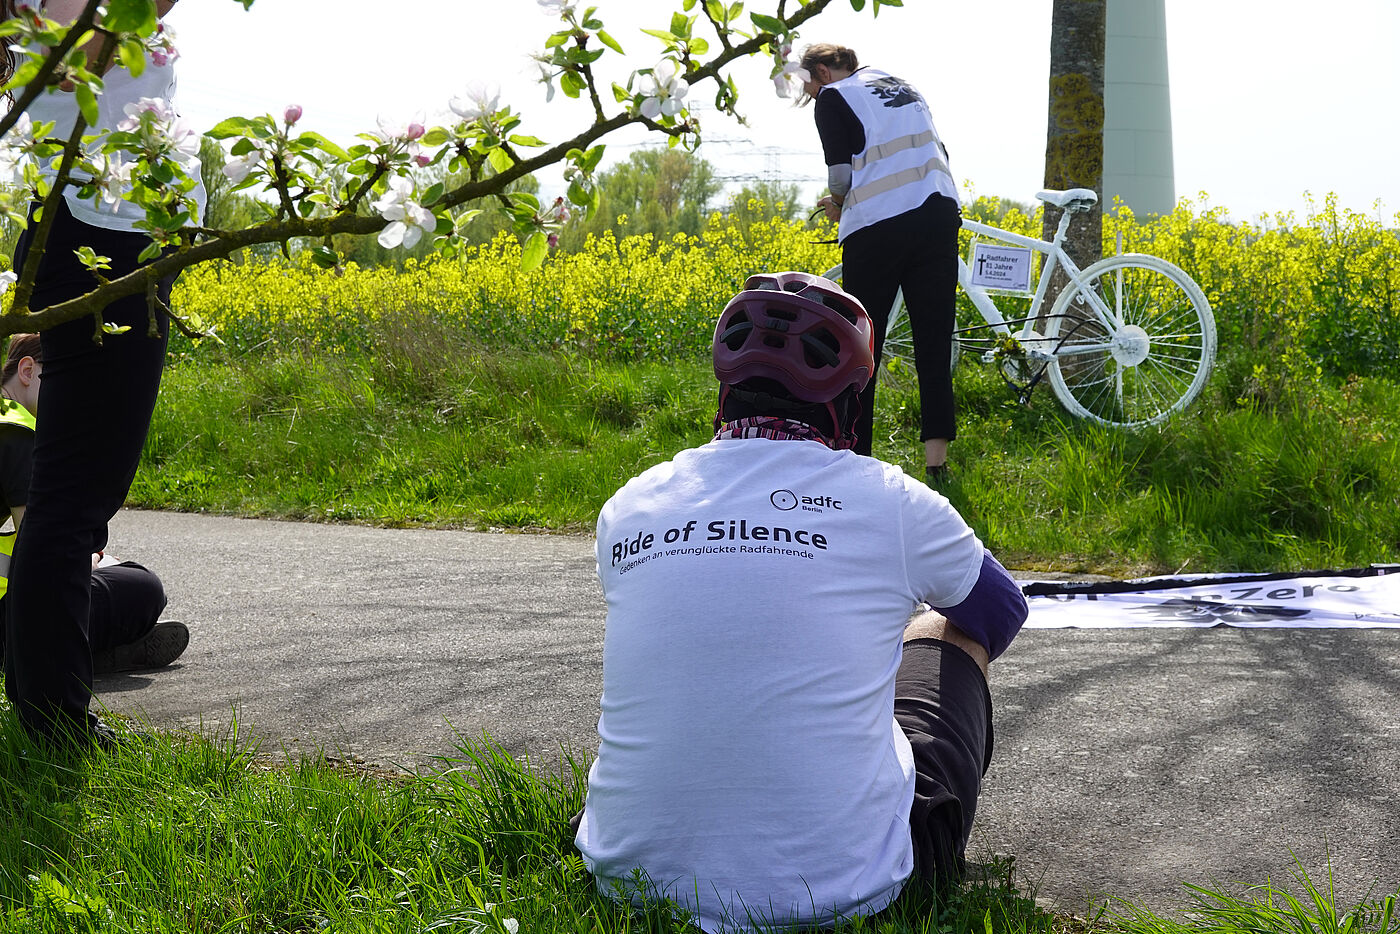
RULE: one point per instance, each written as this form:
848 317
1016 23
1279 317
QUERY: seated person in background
127 599
782 740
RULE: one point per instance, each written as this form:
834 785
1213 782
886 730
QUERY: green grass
201 834
196 833
427 428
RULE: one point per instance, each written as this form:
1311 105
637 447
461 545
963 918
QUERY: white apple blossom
7 279
14 148
408 218
114 179
546 78
162 109
558 7
479 100
160 128
788 80
664 90
239 168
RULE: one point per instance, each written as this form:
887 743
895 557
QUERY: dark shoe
936 478
156 649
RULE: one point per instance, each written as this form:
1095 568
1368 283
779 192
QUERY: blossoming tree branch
313 188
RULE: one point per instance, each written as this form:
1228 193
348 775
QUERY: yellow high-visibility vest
11 413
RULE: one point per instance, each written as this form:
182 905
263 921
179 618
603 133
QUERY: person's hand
96 559
832 209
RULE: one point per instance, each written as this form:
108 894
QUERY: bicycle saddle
1073 200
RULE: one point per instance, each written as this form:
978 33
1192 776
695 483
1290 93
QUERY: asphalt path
1128 762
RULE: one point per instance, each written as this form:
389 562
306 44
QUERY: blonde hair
830 55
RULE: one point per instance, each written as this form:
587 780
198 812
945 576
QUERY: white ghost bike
1129 341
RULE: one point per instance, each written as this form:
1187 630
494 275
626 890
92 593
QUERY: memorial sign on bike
1002 268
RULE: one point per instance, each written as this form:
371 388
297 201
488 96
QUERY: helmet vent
821 348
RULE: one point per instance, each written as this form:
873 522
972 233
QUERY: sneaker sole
157 649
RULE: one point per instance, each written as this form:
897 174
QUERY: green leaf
556 40
150 252
593 157
523 140
535 250
669 39
323 144
699 46
578 194
132 56
466 217
610 42
680 25
432 194
499 159
768 23
436 137
571 84
443 227
736 10
130 16
23 75
87 103
233 126
620 93
857 5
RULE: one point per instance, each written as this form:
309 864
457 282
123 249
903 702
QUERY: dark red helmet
800 330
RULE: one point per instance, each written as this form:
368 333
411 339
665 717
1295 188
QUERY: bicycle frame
1055 256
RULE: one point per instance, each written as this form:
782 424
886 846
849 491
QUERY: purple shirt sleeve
993 611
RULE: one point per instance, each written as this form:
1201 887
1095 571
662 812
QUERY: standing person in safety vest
127 599
782 740
898 211
96 407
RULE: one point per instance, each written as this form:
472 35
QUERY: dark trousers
916 251
127 600
95 406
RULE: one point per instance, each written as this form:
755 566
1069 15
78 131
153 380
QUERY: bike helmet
799 330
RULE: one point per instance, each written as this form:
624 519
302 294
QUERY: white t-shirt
749 764
61 107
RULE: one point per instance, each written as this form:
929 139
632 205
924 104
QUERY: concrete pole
1137 136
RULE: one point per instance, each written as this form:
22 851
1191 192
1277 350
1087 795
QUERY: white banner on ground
1362 598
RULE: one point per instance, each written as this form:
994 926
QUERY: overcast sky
1270 98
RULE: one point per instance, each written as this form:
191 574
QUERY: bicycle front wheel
1133 345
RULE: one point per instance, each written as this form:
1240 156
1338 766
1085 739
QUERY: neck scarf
776 429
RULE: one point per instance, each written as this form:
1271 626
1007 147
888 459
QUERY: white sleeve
943 556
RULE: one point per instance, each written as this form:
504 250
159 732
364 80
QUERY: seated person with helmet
784 739
127 599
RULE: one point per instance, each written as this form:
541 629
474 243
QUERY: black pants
95 408
127 600
916 251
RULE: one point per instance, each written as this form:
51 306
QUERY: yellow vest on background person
11 413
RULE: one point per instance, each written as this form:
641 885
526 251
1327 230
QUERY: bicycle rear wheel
1148 360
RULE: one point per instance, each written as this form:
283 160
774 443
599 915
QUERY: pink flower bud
414 131
553 241
422 161
292 114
